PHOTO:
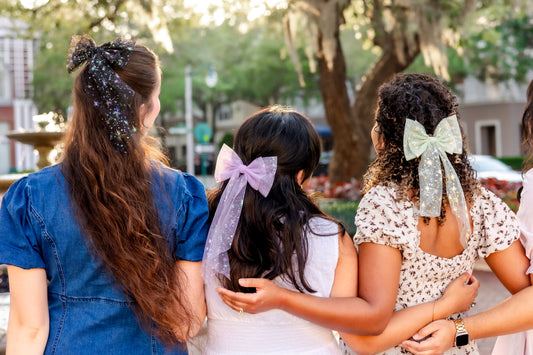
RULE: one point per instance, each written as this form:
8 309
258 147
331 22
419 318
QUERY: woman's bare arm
457 297
193 289
28 325
368 313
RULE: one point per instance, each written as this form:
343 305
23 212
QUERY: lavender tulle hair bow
259 174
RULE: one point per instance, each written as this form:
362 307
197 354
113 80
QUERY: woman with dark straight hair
265 225
104 249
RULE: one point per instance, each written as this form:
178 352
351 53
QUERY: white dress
275 331
384 217
521 343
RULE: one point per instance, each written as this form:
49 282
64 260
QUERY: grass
342 210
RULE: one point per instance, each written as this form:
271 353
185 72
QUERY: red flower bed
351 191
505 190
321 186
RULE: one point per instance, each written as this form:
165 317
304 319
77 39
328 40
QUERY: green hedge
342 210
513 162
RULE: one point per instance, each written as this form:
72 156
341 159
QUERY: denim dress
88 313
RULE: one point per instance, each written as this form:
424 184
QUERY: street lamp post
188 120
210 80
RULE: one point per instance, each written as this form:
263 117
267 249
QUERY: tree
401 30
251 66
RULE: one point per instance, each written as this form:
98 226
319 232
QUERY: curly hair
424 99
270 234
113 200
527 129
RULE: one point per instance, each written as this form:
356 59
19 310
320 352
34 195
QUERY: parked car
323 164
487 167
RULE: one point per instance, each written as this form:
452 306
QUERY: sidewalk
491 292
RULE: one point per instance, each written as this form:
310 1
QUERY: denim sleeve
192 222
18 240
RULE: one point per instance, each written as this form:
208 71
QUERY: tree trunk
351 126
343 164
366 97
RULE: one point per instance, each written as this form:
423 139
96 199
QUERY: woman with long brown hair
104 249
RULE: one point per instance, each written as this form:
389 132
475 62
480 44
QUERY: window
488 138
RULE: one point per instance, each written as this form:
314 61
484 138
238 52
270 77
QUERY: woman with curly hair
104 249
515 313
424 221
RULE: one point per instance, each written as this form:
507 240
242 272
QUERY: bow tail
430 179
457 200
222 230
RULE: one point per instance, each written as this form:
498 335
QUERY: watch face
461 339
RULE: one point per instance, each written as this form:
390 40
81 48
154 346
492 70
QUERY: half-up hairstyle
113 201
271 231
421 98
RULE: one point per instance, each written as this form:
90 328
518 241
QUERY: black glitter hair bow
110 94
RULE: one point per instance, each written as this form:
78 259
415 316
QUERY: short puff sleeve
381 218
192 223
19 237
496 222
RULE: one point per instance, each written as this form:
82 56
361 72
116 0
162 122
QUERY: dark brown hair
424 99
527 129
271 230
114 204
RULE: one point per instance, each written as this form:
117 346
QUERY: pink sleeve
525 216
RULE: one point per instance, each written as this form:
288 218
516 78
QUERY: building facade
16 91
491 115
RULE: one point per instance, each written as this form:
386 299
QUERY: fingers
234 303
257 283
424 348
235 296
473 282
424 332
465 276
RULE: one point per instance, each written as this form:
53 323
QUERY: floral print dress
384 217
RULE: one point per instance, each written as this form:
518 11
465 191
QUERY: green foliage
502 52
250 65
342 210
227 139
52 84
513 162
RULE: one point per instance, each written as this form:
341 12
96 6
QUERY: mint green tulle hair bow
432 150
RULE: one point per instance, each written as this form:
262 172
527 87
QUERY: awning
323 130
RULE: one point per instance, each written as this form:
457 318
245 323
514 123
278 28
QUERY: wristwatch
461 335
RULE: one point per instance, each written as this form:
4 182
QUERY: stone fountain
44 140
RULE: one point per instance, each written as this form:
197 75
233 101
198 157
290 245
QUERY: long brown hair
422 98
527 129
114 203
270 233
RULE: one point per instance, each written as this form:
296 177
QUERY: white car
487 167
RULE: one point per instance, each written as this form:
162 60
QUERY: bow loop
83 49
432 150
259 174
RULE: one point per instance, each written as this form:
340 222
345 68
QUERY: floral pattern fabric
384 217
